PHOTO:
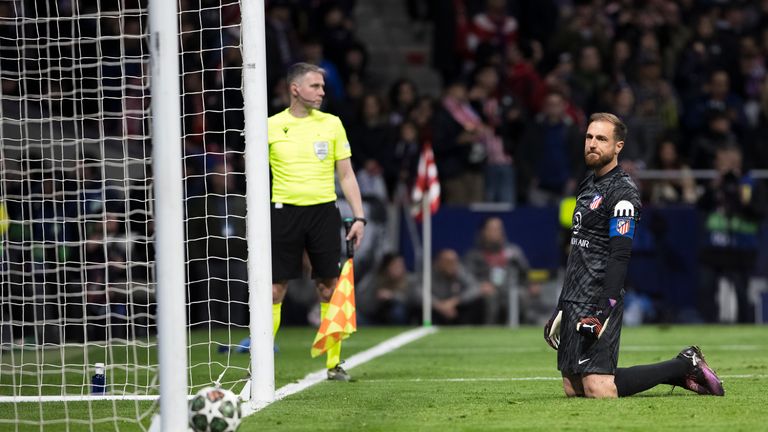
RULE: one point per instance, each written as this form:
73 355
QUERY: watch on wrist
362 219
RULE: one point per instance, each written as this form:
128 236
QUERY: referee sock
276 312
333 353
636 379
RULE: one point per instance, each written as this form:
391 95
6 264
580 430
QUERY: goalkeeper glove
594 325
552 329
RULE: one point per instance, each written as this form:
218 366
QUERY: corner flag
426 182
340 320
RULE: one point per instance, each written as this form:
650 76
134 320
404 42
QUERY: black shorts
579 355
314 228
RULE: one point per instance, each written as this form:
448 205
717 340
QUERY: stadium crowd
519 78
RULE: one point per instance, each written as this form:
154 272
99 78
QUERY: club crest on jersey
321 149
596 201
622 226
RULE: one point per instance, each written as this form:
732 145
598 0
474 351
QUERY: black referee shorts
315 228
579 355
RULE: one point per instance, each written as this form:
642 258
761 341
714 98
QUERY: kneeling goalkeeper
586 326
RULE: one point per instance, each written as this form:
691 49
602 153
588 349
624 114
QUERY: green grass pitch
471 379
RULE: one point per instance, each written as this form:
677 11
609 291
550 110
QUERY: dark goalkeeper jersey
606 207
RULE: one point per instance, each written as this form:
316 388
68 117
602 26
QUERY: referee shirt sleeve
341 147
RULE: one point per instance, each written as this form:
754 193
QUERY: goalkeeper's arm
594 324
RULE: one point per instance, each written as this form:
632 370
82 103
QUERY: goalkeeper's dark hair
298 70
619 128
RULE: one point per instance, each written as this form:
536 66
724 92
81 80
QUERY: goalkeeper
306 148
586 325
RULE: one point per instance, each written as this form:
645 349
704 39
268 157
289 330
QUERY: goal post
257 172
169 215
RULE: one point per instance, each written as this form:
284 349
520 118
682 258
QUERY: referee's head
306 85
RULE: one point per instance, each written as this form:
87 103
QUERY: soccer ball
214 409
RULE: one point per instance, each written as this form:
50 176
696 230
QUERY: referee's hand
356 232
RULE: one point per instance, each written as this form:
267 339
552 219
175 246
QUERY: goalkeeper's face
601 148
309 90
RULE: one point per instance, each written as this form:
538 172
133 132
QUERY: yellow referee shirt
302 156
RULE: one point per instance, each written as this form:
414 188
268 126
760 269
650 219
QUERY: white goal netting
77 275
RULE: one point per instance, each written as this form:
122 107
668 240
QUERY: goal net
77 238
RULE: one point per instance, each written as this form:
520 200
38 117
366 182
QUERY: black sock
640 378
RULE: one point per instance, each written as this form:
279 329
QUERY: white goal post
129 131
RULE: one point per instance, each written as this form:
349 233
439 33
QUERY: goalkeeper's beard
596 163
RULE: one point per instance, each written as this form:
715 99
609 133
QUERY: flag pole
426 256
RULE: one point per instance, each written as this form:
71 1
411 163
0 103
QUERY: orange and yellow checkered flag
340 321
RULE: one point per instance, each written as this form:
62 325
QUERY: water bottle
99 380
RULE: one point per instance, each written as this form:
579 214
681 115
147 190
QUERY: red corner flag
340 321
426 182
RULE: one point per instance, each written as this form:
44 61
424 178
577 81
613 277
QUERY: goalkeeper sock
640 378
276 312
334 352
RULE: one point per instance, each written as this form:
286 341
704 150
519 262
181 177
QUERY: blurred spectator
498 266
217 250
752 72
553 154
499 175
522 78
620 69
457 298
492 27
718 134
391 291
282 40
109 261
337 32
460 139
370 135
699 59
588 81
678 189
405 156
314 53
730 233
355 64
448 37
756 149
587 25
422 115
656 100
402 99
716 95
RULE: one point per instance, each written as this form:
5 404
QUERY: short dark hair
619 128
298 70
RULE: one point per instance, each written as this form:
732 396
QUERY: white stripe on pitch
534 378
313 378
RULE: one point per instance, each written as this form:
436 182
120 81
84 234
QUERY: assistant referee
306 148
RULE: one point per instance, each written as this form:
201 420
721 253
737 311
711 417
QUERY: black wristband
362 219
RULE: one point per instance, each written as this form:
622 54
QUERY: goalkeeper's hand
593 326
552 329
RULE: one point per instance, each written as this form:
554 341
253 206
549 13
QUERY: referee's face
600 147
310 90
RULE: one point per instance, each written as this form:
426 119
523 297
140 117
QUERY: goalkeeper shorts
578 354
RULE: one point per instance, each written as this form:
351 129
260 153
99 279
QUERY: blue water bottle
99 380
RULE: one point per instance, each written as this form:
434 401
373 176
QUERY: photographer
731 221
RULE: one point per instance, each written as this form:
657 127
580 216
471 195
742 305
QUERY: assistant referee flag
340 321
